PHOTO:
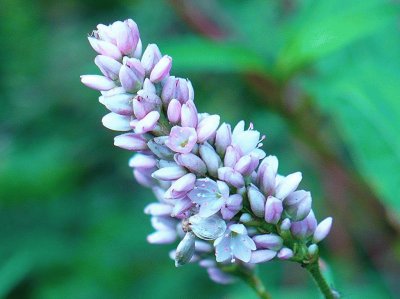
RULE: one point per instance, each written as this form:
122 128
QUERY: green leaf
362 97
315 36
196 54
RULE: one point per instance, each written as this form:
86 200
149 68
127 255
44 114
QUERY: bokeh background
320 78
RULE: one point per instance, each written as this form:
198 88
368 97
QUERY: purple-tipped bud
223 139
148 123
298 205
180 187
151 56
273 210
162 237
191 90
126 36
266 175
142 161
158 209
105 48
119 103
257 201
322 230
287 185
269 241
207 127
174 111
185 250
182 91
116 122
169 173
191 162
304 228
97 82
189 115
108 66
131 142
161 69
285 253
143 177
131 75
210 158
261 256
181 139
229 175
232 155
168 91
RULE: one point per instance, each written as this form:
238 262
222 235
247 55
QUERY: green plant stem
254 282
322 284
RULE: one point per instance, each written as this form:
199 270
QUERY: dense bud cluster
217 191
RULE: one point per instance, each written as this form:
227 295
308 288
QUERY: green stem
254 282
315 272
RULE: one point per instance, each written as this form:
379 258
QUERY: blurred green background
320 78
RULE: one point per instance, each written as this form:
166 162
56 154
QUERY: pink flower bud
189 115
298 205
105 48
128 79
223 139
119 103
142 161
266 175
287 185
151 57
158 209
181 139
162 237
269 241
108 66
174 111
168 91
180 187
131 142
231 156
304 228
169 173
322 230
138 51
210 158
126 36
161 69
116 122
285 253
257 201
143 177
261 256
191 162
148 123
207 127
273 210
229 175
105 33
182 90
97 82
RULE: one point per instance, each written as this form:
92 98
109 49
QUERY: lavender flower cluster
217 191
